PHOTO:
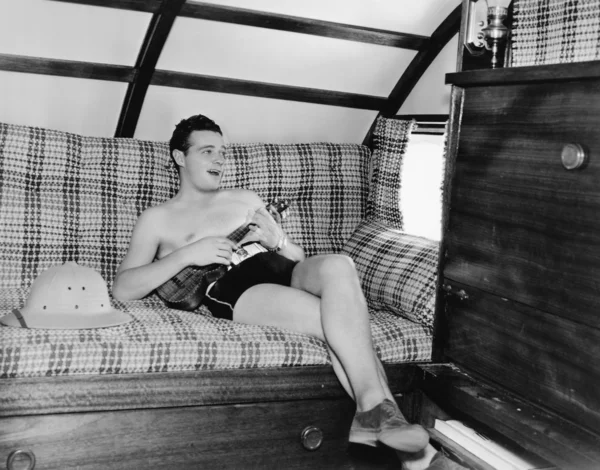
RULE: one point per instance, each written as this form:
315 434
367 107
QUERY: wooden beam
149 6
265 90
262 19
156 36
66 68
441 36
295 24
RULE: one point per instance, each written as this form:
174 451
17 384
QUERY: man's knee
336 266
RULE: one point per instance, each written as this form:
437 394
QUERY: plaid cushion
160 339
325 183
66 197
555 31
390 140
398 271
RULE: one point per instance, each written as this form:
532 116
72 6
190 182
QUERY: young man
319 296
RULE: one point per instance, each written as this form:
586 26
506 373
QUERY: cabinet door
523 243
521 225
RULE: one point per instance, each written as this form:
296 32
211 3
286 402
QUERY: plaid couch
65 197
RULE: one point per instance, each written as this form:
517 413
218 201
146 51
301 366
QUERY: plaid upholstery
65 197
325 183
555 31
390 139
397 270
161 340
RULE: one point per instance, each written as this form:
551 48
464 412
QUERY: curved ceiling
266 70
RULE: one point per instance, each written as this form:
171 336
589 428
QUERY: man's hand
264 228
210 250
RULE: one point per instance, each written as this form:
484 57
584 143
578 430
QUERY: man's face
203 161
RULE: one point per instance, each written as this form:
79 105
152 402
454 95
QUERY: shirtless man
323 296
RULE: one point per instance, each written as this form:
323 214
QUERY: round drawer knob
311 438
21 459
573 156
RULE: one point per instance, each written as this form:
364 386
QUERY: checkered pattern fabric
390 140
65 197
160 339
325 184
397 270
555 31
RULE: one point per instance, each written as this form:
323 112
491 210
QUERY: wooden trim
413 73
441 118
265 90
156 36
262 19
295 24
45 395
530 74
148 6
66 68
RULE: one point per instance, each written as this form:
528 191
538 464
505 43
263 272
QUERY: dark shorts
262 268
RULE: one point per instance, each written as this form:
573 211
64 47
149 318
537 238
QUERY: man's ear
179 157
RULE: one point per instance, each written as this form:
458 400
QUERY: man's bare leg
343 321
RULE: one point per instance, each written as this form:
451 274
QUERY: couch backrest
65 197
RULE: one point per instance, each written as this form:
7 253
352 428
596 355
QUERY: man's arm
139 274
266 230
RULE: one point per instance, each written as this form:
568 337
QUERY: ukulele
186 290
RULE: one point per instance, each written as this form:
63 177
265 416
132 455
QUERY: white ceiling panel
431 95
234 51
250 119
405 16
89 107
43 28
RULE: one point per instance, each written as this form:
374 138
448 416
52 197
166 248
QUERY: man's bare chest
185 226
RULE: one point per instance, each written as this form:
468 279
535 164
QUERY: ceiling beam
295 24
156 36
413 73
262 19
148 6
266 90
66 68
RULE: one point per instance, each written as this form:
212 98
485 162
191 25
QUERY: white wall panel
250 119
89 107
42 28
431 95
221 49
406 16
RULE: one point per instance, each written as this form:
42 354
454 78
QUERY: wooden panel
236 436
534 73
549 360
521 225
265 90
557 440
27 396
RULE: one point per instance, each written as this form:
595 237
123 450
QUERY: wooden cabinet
521 274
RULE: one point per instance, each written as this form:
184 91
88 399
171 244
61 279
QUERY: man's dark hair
180 138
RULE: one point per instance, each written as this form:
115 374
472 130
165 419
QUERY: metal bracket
476 21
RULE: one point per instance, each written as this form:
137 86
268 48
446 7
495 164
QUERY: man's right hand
210 250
